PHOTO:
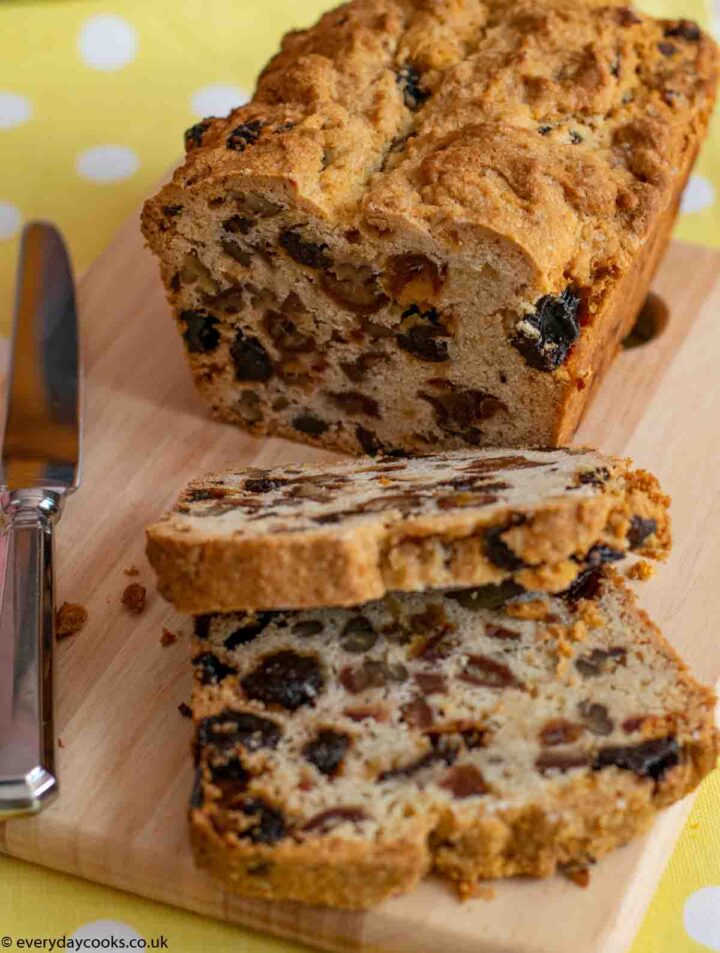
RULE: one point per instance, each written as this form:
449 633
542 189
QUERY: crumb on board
168 638
580 876
475 891
133 598
642 570
132 571
69 619
185 710
61 743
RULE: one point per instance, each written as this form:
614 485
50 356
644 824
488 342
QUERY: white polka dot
699 194
107 163
217 100
701 916
105 930
14 110
107 42
10 220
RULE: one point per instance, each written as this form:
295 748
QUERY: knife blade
40 465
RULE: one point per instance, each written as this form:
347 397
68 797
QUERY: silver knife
40 466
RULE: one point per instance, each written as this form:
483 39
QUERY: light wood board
124 764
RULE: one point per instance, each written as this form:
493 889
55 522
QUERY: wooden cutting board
124 765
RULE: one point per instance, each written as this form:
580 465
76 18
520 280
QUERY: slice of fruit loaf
298 537
342 754
435 222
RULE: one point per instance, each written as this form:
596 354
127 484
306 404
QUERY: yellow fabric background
183 45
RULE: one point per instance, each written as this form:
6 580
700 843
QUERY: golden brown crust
462 132
339 555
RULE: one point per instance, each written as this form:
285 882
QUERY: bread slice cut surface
342 754
299 537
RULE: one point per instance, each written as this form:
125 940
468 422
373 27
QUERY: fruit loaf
343 753
434 222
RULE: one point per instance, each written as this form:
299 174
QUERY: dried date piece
650 759
423 336
256 623
586 585
231 728
597 661
250 359
640 530
310 424
417 713
327 750
238 254
268 825
559 731
352 402
458 410
305 630
309 254
486 597
498 551
373 673
595 717
210 670
488 673
464 780
544 338
358 635
285 678
244 135
200 335
561 761
193 137
684 30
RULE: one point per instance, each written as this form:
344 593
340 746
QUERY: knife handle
27 634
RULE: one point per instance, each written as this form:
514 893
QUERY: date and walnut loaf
342 754
435 221
302 536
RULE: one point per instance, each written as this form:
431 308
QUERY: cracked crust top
573 115
301 536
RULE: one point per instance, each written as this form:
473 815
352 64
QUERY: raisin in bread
342 754
434 222
297 537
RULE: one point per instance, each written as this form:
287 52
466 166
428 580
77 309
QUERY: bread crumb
61 743
133 598
69 619
528 609
185 710
132 571
642 570
168 638
475 891
580 876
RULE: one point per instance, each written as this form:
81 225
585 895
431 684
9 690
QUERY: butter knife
40 466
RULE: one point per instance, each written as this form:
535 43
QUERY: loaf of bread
342 754
435 221
298 537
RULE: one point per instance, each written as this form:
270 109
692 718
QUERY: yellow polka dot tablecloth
93 100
